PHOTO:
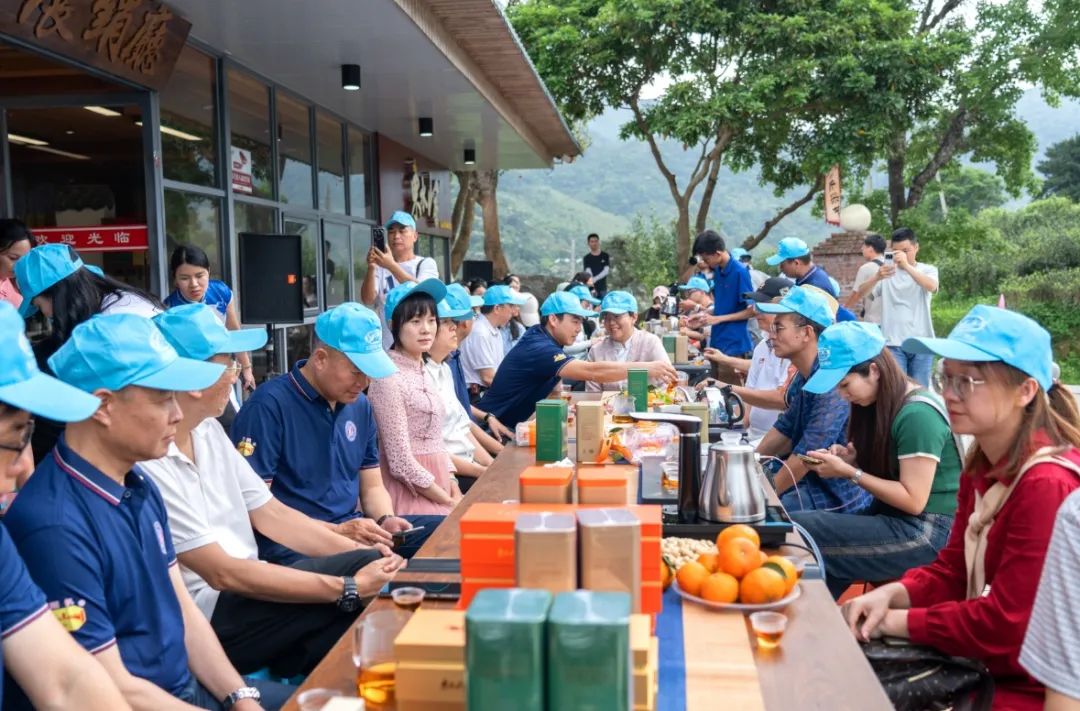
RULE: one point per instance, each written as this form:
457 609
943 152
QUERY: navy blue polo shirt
819 278
461 388
731 282
527 375
102 553
21 601
309 454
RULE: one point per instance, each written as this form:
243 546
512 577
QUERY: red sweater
991 628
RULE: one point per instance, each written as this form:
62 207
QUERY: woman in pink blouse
624 343
409 413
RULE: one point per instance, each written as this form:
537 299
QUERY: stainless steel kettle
731 490
725 407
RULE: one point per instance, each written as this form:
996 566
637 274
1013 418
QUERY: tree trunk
682 232
463 235
487 186
706 197
897 188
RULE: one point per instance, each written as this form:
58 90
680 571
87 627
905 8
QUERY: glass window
254 218
360 203
249 119
298 343
309 236
294 151
361 243
441 253
194 219
331 163
336 258
187 120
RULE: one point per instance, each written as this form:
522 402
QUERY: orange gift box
487 547
546 485
607 484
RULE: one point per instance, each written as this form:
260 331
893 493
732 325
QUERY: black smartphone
432 591
812 461
378 238
434 565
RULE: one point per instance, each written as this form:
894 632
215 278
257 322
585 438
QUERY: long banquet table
818 665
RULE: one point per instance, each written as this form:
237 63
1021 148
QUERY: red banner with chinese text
114 238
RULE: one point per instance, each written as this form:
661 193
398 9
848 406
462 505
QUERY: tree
1062 169
969 71
477 188
778 84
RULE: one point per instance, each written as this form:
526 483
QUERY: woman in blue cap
39 654
976 598
409 411
899 449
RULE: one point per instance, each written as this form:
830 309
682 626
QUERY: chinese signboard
241 170
135 39
832 196
114 238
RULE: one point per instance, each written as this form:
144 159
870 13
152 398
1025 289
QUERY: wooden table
818 666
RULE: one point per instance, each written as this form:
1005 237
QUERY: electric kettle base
772 531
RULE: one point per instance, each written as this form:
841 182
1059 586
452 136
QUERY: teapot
731 489
725 407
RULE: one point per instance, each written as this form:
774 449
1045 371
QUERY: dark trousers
290 638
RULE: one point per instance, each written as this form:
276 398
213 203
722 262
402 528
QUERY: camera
888 256
693 261
671 304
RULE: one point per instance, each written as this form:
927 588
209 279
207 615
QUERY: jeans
917 365
274 695
874 546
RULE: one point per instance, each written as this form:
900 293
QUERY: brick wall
841 256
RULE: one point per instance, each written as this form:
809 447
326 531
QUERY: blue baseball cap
24 386
988 334
502 294
804 302
841 347
696 283
564 302
195 332
113 351
401 218
619 302
582 292
42 267
789 248
458 304
356 331
432 287
738 253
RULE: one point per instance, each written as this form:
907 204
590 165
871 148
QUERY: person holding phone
976 598
388 268
899 449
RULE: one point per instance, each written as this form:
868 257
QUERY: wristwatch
244 692
380 519
350 599
486 417
857 475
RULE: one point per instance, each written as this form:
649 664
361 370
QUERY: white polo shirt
209 504
484 348
456 424
767 372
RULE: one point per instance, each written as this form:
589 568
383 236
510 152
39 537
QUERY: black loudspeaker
476 269
271 281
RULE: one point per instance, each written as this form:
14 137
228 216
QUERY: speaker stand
272 366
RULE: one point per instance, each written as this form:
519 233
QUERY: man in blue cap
95 533
50 668
311 435
265 615
730 333
532 370
811 421
795 261
398 264
484 350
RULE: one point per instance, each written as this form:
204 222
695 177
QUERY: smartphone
812 461
378 238
888 256
432 591
399 536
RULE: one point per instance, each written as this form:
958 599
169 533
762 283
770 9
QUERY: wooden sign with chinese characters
138 40
422 198
832 196
114 238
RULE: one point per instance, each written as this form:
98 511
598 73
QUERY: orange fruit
720 587
738 557
666 573
738 530
710 561
786 568
605 449
691 576
761 586
763 556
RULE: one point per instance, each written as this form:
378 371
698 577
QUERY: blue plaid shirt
817 422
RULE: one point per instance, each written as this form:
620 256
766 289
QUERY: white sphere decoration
855 218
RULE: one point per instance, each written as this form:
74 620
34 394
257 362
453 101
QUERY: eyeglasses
27 433
962 385
234 369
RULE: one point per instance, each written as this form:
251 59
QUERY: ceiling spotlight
350 77
470 156
427 126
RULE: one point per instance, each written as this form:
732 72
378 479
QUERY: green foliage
644 258
1062 169
1053 299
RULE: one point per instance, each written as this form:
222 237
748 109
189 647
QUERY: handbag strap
986 510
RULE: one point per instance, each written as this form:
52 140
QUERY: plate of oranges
738 575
